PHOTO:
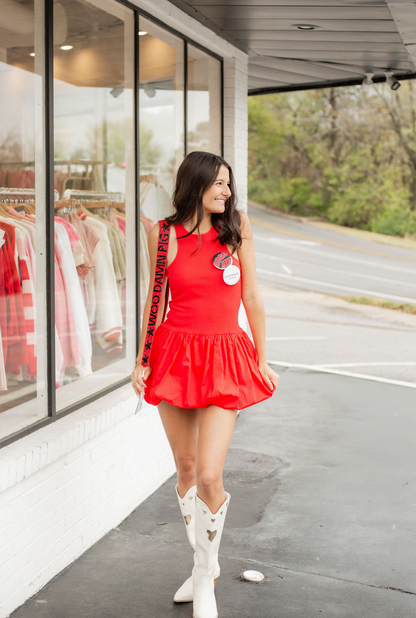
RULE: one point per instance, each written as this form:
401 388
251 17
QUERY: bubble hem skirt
195 371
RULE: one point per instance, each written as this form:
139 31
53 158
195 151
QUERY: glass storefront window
161 115
204 102
21 211
95 212
95 203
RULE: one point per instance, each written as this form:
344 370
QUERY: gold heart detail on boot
212 520
191 497
187 519
211 535
204 512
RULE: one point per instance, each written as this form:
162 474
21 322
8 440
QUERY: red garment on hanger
15 340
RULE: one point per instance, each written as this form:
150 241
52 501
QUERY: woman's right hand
138 377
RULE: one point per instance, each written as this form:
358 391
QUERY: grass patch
379 302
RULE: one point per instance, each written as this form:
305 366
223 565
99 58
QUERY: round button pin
231 275
222 260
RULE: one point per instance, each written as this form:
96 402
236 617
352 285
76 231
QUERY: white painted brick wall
66 485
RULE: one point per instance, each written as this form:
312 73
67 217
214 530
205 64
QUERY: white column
235 122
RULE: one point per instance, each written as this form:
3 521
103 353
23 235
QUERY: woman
203 366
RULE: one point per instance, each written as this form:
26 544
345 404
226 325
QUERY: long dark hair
196 174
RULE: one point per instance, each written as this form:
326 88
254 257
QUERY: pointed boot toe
185 593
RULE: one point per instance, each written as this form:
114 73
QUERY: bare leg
215 429
181 428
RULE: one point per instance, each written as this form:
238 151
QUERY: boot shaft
208 531
187 506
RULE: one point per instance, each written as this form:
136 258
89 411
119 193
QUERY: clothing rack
20 163
22 193
89 196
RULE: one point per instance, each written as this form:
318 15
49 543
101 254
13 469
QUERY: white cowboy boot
187 506
208 532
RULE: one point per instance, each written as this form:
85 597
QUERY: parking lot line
348 374
293 338
275 258
337 286
375 364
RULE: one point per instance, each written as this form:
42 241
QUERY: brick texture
51 512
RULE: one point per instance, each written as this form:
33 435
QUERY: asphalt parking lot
322 482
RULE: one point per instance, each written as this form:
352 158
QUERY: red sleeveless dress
200 354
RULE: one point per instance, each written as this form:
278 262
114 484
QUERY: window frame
48 159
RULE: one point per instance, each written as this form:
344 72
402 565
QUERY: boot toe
185 593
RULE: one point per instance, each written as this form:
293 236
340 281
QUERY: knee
185 466
209 481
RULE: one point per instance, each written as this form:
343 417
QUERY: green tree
340 153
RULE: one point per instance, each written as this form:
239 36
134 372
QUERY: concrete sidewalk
322 481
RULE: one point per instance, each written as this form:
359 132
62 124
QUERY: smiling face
214 198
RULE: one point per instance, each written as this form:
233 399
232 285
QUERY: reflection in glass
94 176
20 84
161 113
204 102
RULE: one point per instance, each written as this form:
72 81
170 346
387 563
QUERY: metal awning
348 39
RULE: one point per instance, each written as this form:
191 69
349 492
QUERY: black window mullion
137 171
50 211
185 97
222 107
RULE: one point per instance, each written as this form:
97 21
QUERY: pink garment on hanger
28 297
118 222
64 318
72 234
147 224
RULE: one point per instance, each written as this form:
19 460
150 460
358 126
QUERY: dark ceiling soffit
190 10
335 83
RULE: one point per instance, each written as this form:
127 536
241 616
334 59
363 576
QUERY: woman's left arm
252 298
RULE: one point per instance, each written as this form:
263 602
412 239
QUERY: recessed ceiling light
66 47
32 54
305 26
142 32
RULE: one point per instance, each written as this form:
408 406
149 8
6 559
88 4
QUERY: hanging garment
104 310
144 264
64 317
29 300
3 379
88 240
73 290
15 340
